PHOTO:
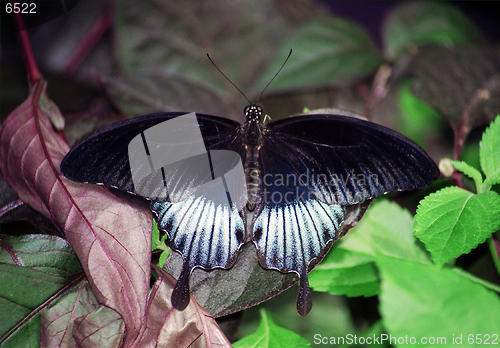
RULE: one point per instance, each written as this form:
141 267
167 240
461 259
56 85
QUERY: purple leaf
110 237
167 327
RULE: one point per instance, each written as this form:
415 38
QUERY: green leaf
453 221
155 237
426 23
345 272
27 336
22 290
330 314
386 229
489 150
158 243
491 180
420 120
422 302
271 335
151 91
326 52
45 253
470 172
48 265
169 41
163 257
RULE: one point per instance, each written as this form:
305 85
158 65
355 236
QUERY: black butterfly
303 174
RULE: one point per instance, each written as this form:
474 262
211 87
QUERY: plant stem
456 178
34 75
378 90
494 245
94 34
33 72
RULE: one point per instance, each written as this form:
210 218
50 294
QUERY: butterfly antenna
227 78
289 54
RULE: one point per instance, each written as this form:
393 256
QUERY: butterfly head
253 113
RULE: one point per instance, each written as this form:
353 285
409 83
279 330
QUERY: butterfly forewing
103 157
345 160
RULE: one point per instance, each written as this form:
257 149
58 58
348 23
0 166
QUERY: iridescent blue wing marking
313 168
207 236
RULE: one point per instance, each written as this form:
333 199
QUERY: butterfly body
252 131
252 174
305 178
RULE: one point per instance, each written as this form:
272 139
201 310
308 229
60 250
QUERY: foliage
271 335
433 59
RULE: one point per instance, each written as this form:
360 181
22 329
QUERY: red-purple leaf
462 83
101 328
110 237
167 327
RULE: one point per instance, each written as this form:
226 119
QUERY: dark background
14 89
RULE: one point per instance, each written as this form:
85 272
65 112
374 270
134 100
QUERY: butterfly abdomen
252 175
252 142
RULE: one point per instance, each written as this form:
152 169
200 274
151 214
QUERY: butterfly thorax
253 130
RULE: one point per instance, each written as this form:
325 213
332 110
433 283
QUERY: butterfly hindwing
207 236
288 236
292 228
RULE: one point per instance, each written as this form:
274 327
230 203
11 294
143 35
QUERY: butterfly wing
289 235
103 157
314 168
345 160
206 233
